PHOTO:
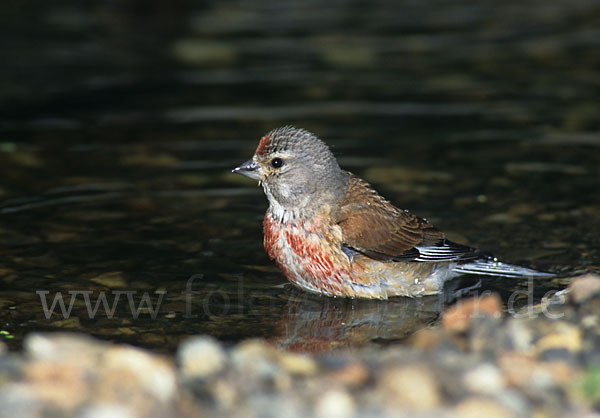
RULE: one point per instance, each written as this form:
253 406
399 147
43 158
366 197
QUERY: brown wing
376 228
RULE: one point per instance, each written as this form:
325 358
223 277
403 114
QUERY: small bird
331 233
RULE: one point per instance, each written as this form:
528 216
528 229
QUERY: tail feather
493 267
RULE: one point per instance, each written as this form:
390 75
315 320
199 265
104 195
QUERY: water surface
121 122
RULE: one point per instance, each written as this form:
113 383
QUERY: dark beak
248 169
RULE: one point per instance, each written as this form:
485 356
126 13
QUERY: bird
332 234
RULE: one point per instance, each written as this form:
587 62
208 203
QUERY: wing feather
374 227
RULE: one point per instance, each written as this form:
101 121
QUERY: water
121 122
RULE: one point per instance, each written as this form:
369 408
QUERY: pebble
458 317
255 357
107 411
584 287
353 375
258 362
200 357
484 334
413 387
516 367
335 403
57 384
484 379
153 374
481 407
79 350
566 336
299 364
518 335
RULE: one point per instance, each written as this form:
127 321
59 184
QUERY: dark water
120 122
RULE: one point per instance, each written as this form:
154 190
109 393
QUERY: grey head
297 170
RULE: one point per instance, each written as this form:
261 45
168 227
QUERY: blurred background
121 120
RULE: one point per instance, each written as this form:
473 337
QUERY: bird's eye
276 162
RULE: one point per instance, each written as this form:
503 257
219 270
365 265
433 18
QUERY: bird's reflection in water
312 323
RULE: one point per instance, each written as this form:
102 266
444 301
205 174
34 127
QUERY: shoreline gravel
543 362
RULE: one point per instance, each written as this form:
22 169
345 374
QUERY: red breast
305 256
